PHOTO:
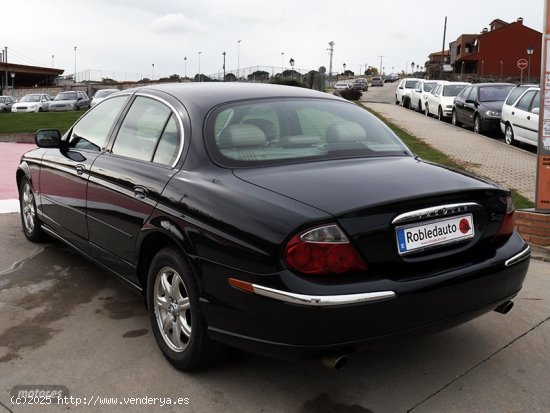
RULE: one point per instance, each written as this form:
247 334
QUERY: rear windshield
428 86
411 84
275 131
494 93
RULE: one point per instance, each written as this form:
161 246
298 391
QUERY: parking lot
66 322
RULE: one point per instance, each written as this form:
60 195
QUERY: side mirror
535 111
47 138
470 101
400 87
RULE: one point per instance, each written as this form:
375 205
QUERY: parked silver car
70 100
34 102
6 102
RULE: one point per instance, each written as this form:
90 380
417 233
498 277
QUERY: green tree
259 76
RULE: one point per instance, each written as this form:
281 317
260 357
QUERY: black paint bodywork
234 223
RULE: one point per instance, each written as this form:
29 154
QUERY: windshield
453 90
66 96
2 99
30 98
515 94
494 93
428 86
270 132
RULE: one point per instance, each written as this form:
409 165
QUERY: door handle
80 169
140 192
528 117
513 113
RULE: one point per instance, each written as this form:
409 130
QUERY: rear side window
92 130
149 132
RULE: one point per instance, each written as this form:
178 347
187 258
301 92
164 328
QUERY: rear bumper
277 327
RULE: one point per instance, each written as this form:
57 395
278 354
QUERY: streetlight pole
462 70
282 64
501 69
75 64
185 63
291 61
344 70
223 53
530 51
200 77
52 60
238 60
381 57
12 82
331 50
152 71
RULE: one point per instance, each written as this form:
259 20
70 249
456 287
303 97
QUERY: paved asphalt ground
63 321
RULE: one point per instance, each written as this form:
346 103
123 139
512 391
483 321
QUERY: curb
17 137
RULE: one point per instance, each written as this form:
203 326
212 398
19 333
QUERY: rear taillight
322 251
508 221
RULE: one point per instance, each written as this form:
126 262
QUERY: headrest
345 132
241 135
267 126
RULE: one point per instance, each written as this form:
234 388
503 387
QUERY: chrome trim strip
523 255
436 211
323 300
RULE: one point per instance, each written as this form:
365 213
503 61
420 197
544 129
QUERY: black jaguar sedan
275 219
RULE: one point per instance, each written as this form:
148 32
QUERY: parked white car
102 95
440 100
520 120
420 93
35 102
402 94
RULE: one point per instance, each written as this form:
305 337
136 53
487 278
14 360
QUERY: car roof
210 94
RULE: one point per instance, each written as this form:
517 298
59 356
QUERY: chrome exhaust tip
335 362
504 308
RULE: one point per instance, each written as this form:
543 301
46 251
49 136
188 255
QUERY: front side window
92 130
525 102
271 132
149 132
536 101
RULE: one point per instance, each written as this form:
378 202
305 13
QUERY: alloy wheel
172 309
28 210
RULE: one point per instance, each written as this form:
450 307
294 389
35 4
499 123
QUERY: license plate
417 237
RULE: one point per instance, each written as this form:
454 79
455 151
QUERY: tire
419 108
396 100
40 110
173 302
454 119
509 135
32 226
477 125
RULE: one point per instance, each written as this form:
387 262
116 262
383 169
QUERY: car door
522 118
65 172
126 182
460 104
470 107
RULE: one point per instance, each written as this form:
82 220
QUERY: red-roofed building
495 51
